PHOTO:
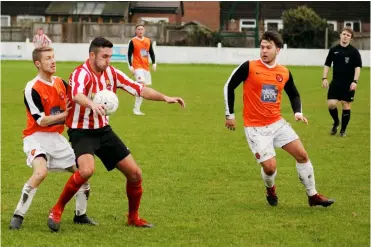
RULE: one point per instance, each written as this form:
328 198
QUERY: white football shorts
263 140
56 148
143 76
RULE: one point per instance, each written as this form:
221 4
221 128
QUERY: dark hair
349 30
36 54
99 42
139 25
272 36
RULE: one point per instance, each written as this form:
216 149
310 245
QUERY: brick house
206 13
241 16
158 11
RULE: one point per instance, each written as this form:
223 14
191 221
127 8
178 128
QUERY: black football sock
334 115
345 117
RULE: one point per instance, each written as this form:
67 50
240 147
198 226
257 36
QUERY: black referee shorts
101 142
340 91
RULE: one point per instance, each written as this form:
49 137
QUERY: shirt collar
267 65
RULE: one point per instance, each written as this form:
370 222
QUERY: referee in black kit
346 70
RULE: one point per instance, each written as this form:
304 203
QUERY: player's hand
131 69
353 86
325 83
171 100
300 117
230 124
98 109
68 108
154 67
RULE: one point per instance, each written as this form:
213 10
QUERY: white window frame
8 22
30 17
335 24
247 25
278 21
155 19
352 22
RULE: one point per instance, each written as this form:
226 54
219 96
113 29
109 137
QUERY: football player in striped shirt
45 147
90 132
263 83
41 39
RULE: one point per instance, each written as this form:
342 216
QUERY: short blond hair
36 54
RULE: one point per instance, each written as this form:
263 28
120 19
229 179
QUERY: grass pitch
202 186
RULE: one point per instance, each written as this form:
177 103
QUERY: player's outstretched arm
151 94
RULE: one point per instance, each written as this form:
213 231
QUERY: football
108 99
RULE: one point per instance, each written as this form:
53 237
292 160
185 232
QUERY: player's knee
346 106
302 157
87 172
269 167
40 174
86 166
332 105
270 171
135 175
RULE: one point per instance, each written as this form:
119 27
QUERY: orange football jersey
262 92
53 101
141 53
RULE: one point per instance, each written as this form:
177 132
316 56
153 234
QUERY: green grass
202 186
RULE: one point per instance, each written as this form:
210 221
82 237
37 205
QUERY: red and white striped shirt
84 80
41 40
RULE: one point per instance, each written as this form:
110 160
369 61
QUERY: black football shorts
340 92
103 143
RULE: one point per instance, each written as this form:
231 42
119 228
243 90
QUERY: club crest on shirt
108 84
257 155
33 152
61 95
346 59
92 96
279 77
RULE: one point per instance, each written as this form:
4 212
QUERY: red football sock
134 192
72 186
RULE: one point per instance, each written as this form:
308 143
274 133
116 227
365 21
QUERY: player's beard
101 68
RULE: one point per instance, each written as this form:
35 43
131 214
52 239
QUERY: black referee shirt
345 60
